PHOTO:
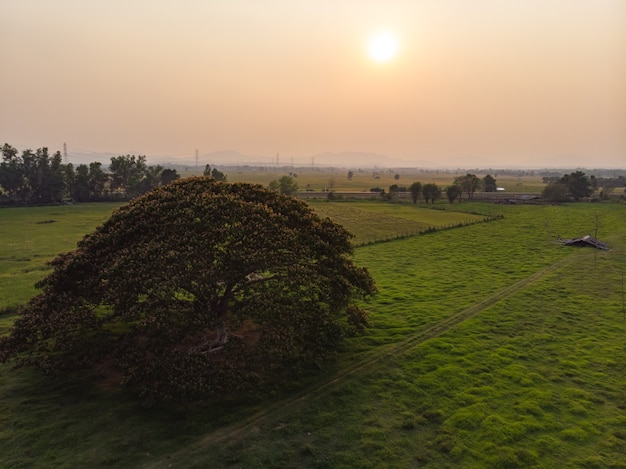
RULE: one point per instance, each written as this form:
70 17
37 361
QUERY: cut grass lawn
491 346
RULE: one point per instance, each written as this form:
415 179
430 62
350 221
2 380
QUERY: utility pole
65 153
623 306
196 158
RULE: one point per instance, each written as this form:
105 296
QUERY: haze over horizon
487 83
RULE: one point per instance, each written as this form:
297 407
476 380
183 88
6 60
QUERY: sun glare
383 47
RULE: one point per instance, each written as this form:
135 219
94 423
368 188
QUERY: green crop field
491 346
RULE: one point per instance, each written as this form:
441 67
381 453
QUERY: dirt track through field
277 411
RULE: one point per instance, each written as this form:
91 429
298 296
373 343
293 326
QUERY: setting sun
383 47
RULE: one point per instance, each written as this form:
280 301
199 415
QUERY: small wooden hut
586 241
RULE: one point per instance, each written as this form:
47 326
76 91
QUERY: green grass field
491 346
35 235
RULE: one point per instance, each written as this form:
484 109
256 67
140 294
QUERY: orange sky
474 83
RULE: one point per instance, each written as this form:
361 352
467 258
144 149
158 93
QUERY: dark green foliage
131 176
87 183
431 192
555 192
197 289
214 173
34 178
469 183
453 192
489 183
578 185
285 185
416 190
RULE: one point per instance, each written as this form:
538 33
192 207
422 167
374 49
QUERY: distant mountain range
231 158
347 159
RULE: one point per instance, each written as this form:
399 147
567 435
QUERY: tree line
430 192
40 178
578 185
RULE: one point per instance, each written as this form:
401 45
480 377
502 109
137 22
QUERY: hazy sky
473 83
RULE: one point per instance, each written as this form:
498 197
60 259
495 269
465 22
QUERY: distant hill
231 157
346 159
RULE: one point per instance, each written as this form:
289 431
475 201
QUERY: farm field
318 179
491 346
32 236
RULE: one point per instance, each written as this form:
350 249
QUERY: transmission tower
65 153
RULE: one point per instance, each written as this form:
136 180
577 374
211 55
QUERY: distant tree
453 192
127 173
468 183
489 183
285 185
169 175
12 177
431 192
578 185
350 175
32 178
50 177
70 178
151 179
196 290
555 192
392 192
214 173
415 189
396 176
79 191
98 181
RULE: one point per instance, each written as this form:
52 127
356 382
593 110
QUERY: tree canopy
469 183
38 178
214 173
453 192
416 190
489 183
285 185
32 178
578 184
199 288
431 191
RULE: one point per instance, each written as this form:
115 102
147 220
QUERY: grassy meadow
35 235
491 346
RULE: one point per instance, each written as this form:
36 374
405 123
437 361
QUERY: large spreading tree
199 288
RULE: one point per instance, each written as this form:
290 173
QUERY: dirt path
277 411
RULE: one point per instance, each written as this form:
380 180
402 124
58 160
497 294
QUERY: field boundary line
401 347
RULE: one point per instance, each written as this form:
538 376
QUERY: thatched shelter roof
586 241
